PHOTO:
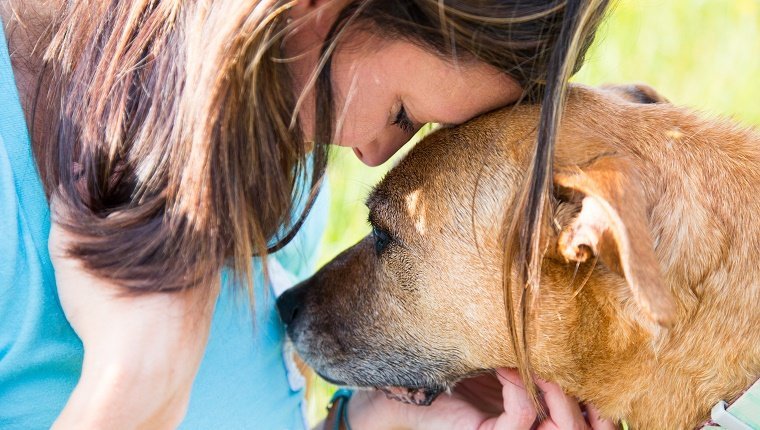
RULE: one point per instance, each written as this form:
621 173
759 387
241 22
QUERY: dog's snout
289 303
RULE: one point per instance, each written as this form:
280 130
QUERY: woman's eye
382 239
403 122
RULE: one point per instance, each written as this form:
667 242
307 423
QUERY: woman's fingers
517 406
465 409
519 412
597 422
564 410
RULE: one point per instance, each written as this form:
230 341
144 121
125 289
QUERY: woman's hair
539 43
173 152
176 150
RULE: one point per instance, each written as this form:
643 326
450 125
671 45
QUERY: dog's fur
655 327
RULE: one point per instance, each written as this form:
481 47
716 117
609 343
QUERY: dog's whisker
586 278
557 226
575 273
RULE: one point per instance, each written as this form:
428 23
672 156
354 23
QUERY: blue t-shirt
244 380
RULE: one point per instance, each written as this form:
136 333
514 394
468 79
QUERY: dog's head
419 302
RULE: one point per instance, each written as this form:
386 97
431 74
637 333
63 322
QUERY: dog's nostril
289 303
293 314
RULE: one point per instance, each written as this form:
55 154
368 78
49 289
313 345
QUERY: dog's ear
612 225
637 93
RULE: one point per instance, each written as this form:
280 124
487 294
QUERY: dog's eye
382 239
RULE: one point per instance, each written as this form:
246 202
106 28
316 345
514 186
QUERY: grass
699 53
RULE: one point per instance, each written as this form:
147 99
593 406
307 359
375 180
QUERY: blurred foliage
701 53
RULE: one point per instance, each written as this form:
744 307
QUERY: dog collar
742 414
337 411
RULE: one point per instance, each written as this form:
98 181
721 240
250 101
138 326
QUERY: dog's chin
419 384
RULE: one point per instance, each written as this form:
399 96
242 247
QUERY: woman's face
384 95
385 90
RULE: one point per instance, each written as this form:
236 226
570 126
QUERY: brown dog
665 324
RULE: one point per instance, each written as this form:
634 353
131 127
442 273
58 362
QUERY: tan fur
648 306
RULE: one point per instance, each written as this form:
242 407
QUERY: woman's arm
142 352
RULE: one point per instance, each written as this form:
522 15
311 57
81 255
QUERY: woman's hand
141 352
482 403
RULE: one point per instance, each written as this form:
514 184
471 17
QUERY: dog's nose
289 303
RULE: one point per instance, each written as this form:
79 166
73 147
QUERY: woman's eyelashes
403 122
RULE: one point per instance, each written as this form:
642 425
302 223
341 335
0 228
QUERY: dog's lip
411 396
330 380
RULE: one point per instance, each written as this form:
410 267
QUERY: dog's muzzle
290 306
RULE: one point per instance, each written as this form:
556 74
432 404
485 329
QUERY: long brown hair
173 150
541 44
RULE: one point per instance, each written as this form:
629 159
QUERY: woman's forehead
425 80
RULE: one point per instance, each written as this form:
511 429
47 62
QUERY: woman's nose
382 149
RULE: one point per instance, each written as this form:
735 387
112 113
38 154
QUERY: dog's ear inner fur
612 225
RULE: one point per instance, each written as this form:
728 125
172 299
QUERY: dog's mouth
411 396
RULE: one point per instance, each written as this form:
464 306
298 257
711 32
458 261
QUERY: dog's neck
625 366
703 219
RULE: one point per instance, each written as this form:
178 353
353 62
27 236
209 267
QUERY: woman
176 139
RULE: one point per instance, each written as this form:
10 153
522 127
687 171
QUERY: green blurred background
700 53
